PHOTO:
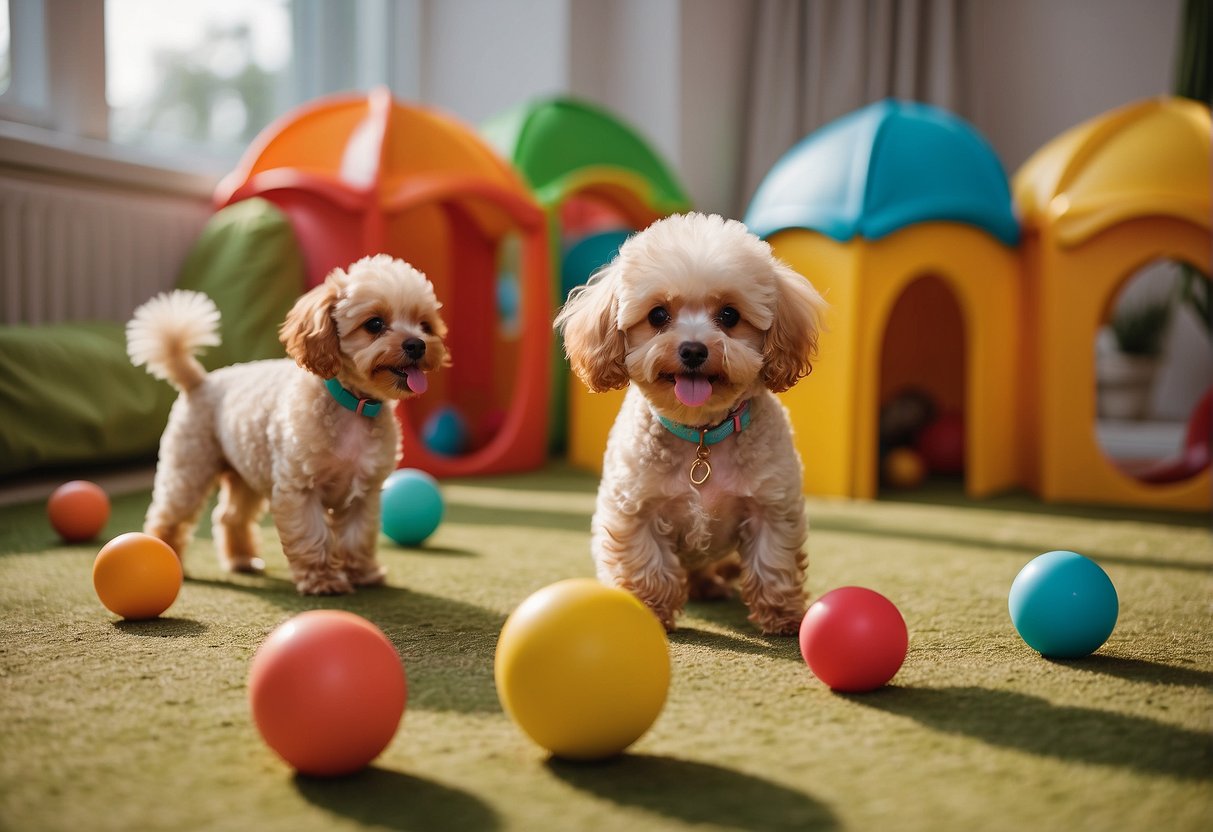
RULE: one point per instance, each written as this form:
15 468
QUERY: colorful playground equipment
597 181
1097 203
363 174
902 215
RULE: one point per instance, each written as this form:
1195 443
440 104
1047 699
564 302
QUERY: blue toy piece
411 506
445 432
1063 605
587 255
881 168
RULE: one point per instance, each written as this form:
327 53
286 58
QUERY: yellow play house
900 213
1097 203
985 300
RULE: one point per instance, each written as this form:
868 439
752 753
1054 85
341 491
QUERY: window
5 64
201 78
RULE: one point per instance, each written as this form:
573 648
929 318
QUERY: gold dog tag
701 469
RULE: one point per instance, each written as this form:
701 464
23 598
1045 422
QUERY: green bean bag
68 392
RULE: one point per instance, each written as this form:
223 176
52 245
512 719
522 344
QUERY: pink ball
327 691
853 639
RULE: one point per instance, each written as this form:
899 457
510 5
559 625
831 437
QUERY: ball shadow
1139 670
162 627
696 793
382 798
1064 732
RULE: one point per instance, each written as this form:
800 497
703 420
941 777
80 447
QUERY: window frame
54 116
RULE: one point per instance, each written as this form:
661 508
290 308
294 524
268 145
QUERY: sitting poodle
704 325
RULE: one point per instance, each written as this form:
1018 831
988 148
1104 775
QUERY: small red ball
942 444
853 639
327 691
78 510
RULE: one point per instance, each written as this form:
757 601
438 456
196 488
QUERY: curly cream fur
270 434
654 532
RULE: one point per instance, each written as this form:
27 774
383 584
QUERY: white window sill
46 152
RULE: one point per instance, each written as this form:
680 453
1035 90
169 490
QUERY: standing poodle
705 325
314 437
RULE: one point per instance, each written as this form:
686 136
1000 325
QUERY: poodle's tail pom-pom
168 332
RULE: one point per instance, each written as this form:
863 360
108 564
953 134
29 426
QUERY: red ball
327 691
78 510
942 444
853 639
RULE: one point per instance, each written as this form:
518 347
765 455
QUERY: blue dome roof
882 168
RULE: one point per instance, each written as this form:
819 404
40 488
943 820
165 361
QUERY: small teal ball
445 432
1063 605
411 506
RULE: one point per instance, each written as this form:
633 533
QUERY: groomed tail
168 332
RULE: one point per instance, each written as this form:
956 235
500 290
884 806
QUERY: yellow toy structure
901 215
1097 203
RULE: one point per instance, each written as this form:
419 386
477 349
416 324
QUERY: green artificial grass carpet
106 724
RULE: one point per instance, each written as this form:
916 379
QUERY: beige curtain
815 60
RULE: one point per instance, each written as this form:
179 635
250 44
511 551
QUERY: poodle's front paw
323 583
370 574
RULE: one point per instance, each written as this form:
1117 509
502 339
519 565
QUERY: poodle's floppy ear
791 343
309 332
592 339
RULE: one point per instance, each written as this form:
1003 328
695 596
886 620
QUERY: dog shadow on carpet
447 645
696 793
1034 725
387 799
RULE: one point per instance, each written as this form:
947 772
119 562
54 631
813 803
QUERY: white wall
1039 67
676 69
480 57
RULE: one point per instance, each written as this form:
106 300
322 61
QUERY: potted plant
1128 362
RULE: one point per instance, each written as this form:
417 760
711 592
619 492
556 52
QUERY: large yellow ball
582 669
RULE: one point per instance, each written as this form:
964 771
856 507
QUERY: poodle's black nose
692 354
414 348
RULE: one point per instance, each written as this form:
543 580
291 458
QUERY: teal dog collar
735 422
363 407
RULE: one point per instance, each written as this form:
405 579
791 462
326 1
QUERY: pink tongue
416 379
692 391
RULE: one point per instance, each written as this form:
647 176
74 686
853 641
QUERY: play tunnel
365 174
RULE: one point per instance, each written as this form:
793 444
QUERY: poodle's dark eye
426 328
375 325
728 317
658 317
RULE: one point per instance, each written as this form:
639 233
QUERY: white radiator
73 252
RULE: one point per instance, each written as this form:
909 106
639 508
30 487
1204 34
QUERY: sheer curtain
815 60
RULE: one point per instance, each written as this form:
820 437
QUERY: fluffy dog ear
309 332
791 343
592 339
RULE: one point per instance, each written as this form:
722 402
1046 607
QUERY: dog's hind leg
234 524
185 476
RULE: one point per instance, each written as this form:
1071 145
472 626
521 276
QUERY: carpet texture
107 724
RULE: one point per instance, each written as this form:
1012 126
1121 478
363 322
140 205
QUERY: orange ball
137 576
78 510
327 690
904 468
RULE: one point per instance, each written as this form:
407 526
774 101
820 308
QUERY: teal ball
445 432
1063 605
411 506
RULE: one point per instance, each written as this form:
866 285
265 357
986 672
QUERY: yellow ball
904 468
137 576
582 669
